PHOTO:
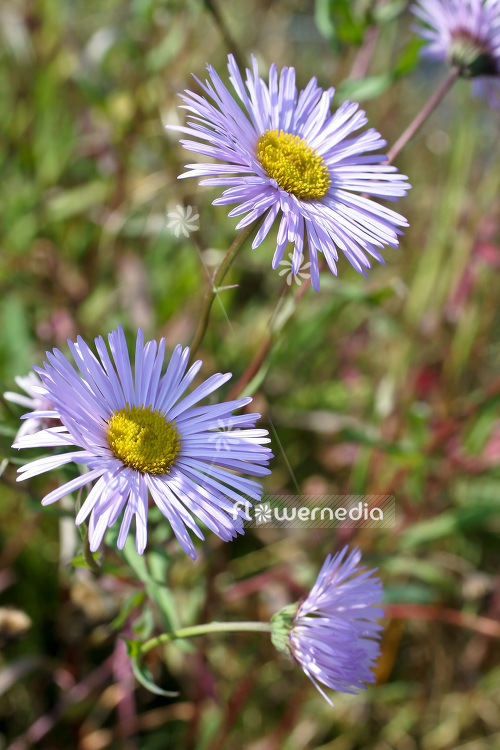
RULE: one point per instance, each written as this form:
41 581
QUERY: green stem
206 628
254 367
87 554
228 39
214 288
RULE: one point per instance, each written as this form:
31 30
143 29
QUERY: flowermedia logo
319 511
301 272
223 438
183 220
263 513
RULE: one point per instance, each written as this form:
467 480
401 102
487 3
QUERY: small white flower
262 513
302 273
183 220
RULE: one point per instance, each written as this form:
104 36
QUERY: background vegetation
382 386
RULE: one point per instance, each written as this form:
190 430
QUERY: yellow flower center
143 439
294 165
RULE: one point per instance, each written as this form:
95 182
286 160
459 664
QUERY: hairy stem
253 368
207 628
214 287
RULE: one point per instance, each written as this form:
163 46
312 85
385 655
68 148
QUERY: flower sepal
281 628
471 60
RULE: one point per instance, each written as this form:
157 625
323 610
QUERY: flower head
285 154
464 33
138 437
333 633
35 400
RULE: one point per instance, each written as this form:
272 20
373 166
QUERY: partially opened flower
137 437
466 34
35 400
285 154
333 633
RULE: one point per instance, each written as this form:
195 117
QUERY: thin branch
206 629
422 116
212 290
231 45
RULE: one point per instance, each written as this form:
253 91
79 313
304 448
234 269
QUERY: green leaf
428 572
408 59
141 671
387 12
369 435
371 295
343 21
8 431
154 580
80 562
16 349
133 601
323 20
158 565
450 522
133 647
77 200
284 312
144 625
163 54
480 431
365 88
409 593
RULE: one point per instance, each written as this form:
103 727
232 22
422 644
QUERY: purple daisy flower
333 633
464 33
286 154
137 437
